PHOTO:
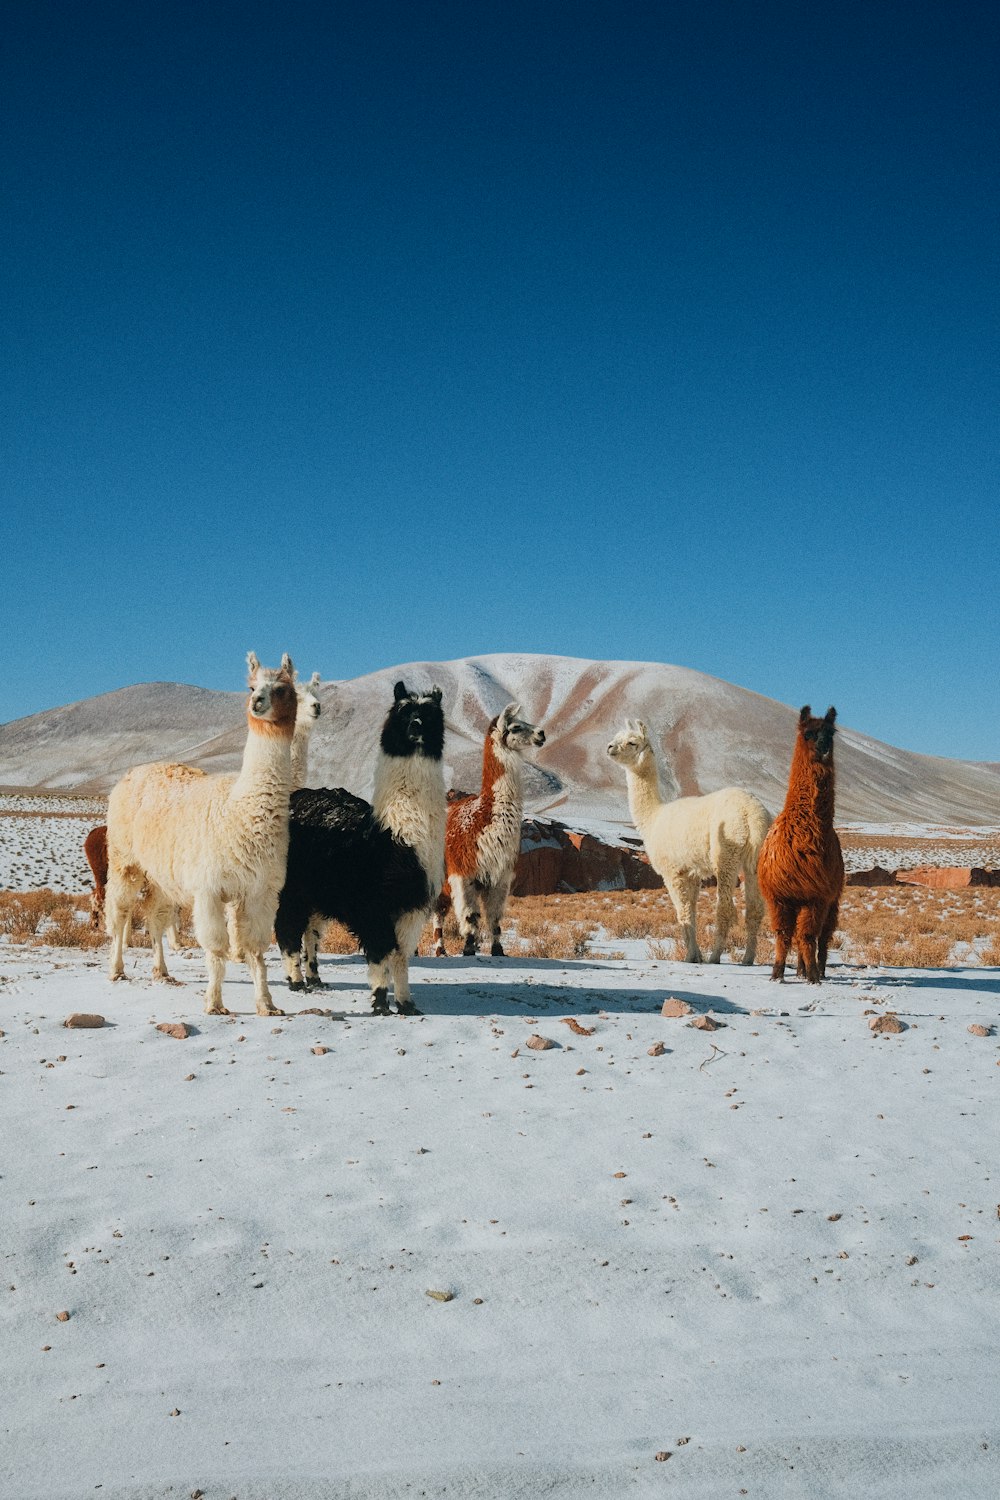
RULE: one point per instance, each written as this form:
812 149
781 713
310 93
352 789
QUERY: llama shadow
497 999
929 981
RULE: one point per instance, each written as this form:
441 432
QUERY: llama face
414 724
309 706
818 734
630 744
511 732
272 693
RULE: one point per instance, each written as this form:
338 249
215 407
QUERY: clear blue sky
377 332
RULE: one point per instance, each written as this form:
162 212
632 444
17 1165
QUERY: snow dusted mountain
710 734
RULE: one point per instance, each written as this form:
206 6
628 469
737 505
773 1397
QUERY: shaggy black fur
344 865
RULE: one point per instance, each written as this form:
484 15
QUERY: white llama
691 838
209 840
309 710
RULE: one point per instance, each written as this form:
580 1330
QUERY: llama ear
805 714
399 692
253 665
642 728
508 713
287 665
314 681
830 715
436 693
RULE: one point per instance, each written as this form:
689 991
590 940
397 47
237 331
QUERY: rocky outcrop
957 879
875 876
556 858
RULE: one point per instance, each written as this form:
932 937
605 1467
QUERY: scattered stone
81 1021
833 1218
706 1023
887 1025
575 1026
675 1007
62 1317
662 1456
440 1296
188 1077
174 1028
539 1043
316 1010
320 1051
978 1030
656 1050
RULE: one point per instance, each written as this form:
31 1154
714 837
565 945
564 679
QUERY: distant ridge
710 734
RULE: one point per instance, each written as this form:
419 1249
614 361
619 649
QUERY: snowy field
41 842
767 1255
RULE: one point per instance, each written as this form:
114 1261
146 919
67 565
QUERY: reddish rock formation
556 858
957 879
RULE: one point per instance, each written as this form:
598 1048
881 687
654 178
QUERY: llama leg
494 906
209 918
782 918
754 904
310 948
252 924
465 895
441 909
725 911
826 933
120 895
235 952
379 979
408 930
290 925
807 928
158 913
684 895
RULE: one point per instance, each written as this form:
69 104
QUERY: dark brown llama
801 867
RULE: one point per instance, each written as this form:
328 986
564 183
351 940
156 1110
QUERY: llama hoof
296 984
407 1008
316 984
440 951
496 951
217 1010
469 948
381 1010
269 1010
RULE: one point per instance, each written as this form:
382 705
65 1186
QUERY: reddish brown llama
801 867
95 847
483 836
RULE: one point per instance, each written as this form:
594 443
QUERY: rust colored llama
801 867
95 847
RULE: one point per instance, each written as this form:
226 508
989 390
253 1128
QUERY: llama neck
300 751
503 778
266 771
409 800
811 788
644 798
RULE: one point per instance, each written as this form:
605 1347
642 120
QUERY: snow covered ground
769 1253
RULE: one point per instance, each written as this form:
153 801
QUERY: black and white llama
376 867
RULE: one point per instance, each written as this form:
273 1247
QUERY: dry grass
884 926
895 926
43 917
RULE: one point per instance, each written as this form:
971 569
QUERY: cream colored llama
691 838
209 840
309 710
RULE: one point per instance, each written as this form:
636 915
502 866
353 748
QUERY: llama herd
258 852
